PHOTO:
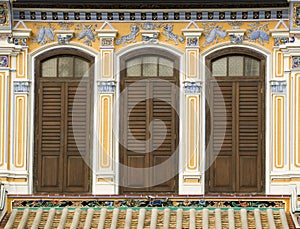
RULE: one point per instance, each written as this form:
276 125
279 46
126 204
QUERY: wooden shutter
63 137
249 139
134 134
236 167
222 171
50 140
164 142
145 145
77 137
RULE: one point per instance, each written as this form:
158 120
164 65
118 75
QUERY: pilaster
106 178
191 176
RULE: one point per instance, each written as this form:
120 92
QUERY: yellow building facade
163 101
192 36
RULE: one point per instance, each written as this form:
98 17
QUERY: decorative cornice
278 86
100 15
21 86
106 86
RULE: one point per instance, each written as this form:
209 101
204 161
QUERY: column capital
278 86
106 86
192 87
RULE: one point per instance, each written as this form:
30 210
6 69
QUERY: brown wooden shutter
249 140
222 170
145 144
237 166
134 134
77 137
50 140
164 141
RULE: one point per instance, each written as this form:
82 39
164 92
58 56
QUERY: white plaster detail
236 35
64 36
107 33
192 87
21 86
280 32
278 86
20 30
106 86
150 35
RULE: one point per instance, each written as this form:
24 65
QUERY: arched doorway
63 92
149 122
238 79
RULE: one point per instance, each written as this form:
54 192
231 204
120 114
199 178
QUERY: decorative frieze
86 33
278 86
44 35
213 33
106 86
134 30
21 86
149 201
192 87
170 35
258 32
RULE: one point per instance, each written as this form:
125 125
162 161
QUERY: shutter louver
50 139
249 144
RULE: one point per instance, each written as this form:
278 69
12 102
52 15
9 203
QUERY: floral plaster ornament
213 33
45 34
134 30
86 33
170 35
258 32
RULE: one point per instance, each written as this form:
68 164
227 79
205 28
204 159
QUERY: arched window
65 66
236 65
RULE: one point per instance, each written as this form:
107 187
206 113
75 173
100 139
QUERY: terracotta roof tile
175 217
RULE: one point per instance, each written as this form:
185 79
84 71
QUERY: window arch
150 62
236 62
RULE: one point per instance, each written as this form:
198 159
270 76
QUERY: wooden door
62 125
236 146
149 127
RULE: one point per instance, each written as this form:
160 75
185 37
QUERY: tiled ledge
159 15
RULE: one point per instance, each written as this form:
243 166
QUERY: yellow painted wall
123 29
